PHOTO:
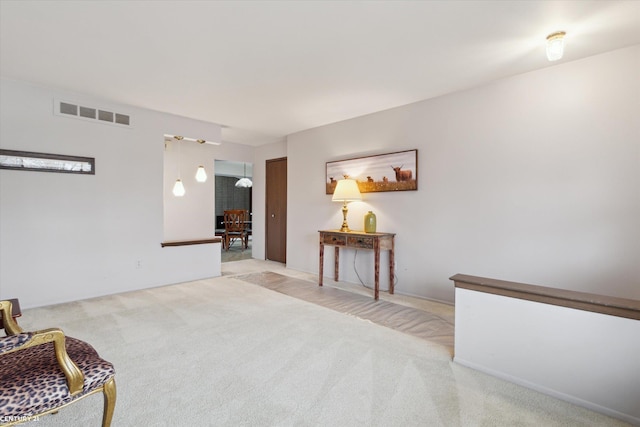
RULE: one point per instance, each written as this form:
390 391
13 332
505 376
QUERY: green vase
370 222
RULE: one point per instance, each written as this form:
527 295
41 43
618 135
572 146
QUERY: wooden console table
359 240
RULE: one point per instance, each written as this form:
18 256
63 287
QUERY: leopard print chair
42 371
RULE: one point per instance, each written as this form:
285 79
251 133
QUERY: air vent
68 109
88 113
105 116
102 115
122 119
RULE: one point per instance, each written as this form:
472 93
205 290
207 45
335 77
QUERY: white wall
66 237
534 179
553 350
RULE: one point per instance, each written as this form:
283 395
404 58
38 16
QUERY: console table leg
337 263
321 266
392 267
376 250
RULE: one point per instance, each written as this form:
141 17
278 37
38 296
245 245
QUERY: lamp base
345 227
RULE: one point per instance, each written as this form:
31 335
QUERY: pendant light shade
201 174
244 182
178 189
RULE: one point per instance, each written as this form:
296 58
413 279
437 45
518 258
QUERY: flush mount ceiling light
555 45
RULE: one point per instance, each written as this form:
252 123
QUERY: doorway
230 195
276 210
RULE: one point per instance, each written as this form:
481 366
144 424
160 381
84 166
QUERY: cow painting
372 172
402 175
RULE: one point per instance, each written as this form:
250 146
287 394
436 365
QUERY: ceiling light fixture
201 174
244 182
185 138
555 45
178 187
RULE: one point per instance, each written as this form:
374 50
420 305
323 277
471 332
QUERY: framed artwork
383 172
44 162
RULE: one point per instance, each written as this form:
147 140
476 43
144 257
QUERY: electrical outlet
138 264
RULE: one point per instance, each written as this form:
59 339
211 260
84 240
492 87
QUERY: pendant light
178 187
201 174
244 182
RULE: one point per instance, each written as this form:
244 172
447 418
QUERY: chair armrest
10 325
75 378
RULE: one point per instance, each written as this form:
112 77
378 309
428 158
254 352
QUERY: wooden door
276 200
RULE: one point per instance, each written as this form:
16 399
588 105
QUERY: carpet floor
227 352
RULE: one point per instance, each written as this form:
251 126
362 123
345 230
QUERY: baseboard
550 392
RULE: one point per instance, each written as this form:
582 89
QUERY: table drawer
334 239
360 242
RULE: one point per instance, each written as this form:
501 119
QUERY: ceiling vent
102 115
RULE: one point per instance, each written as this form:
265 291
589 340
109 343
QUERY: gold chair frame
75 377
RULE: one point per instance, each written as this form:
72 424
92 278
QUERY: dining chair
235 228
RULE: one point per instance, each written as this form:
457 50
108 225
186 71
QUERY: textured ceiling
266 69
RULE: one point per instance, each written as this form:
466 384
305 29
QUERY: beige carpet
225 352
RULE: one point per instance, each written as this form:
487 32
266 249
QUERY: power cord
395 276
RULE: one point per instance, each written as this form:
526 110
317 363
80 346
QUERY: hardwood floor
430 325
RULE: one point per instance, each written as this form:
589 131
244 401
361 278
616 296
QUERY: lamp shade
201 174
555 45
178 189
244 183
346 191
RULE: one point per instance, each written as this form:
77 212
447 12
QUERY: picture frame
396 171
45 162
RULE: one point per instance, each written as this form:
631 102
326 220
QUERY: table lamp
346 191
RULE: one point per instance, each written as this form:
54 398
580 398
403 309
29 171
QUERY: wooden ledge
613 306
191 242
